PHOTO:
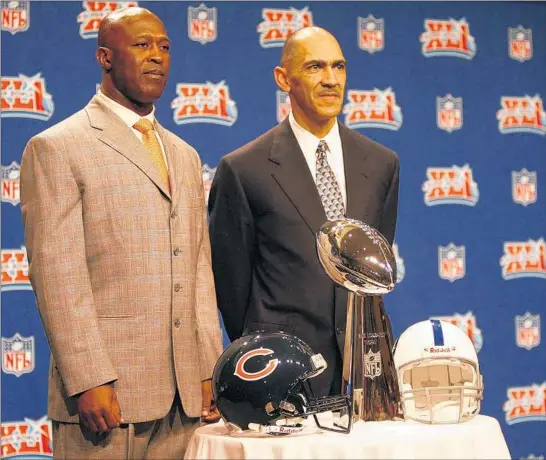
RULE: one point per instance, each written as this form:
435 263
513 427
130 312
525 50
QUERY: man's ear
104 57
281 78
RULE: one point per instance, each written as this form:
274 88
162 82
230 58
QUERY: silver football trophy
359 258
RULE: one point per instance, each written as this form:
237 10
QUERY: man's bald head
116 18
313 73
134 53
296 43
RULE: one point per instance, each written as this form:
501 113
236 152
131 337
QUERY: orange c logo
253 376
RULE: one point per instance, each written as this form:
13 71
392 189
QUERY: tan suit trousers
162 439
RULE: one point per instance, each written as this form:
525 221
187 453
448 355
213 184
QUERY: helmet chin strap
292 426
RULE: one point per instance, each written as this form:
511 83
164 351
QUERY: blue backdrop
456 89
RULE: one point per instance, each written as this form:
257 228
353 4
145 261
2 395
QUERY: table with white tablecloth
479 438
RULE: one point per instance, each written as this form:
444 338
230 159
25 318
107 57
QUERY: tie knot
321 149
143 125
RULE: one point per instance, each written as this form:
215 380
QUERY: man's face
317 76
140 58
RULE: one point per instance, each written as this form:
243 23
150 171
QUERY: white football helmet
438 373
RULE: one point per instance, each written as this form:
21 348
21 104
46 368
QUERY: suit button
339 331
176 252
174 214
177 323
177 287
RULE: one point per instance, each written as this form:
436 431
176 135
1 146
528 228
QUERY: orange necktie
150 141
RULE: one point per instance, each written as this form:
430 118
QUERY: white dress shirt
130 118
309 142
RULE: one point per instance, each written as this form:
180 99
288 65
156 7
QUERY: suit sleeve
51 205
233 239
209 336
390 208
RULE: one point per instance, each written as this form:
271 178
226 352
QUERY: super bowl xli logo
372 109
400 265
204 103
449 113
525 404
15 15
524 259
15 270
279 24
94 12
451 262
10 183
524 187
468 324
18 355
520 43
283 105
371 34
26 97
447 38
208 175
27 439
202 24
454 185
527 330
522 115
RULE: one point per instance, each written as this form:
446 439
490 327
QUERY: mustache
330 92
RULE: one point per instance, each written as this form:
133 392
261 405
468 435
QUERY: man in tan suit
116 235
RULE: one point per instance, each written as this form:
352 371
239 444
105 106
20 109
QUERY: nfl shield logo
202 26
524 187
528 331
283 105
451 262
449 113
371 34
15 15
10 183
18 355
520 43
372 364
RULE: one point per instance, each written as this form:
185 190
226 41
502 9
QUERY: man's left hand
209 412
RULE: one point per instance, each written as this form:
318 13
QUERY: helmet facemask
441 390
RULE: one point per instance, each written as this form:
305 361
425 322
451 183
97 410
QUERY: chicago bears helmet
260 384
438 373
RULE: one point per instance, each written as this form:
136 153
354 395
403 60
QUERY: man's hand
209 413
99 410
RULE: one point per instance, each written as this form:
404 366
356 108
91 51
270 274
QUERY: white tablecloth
478 438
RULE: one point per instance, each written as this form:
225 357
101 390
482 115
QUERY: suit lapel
294 177
356 178
117 135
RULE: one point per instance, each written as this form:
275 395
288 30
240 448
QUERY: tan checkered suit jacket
120 267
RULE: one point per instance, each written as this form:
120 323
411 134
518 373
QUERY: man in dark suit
269 198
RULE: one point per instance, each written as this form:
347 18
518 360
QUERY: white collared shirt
309 142
130 118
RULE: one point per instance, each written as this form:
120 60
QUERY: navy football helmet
261 384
